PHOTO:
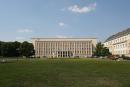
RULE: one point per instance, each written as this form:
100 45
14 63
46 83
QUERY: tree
8 49
4 49
105 52
27 49
0 47
101 50
17 48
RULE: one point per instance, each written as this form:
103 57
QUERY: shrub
125 57
114 57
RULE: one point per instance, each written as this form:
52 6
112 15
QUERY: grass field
65 73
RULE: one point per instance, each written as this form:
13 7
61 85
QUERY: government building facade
119 43
64 47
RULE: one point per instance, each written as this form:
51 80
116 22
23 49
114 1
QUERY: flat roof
64 38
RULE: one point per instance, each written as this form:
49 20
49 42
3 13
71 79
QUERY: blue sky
22 19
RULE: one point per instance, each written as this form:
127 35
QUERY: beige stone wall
119 46
63 47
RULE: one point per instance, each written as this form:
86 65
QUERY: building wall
63 47
119 46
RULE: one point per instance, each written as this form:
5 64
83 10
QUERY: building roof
63 39
119 34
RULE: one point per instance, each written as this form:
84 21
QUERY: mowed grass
65 73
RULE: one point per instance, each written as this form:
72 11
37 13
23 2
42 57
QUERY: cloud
61 24
61 36
85 9
25 31
20 38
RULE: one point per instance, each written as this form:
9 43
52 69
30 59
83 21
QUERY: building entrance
63 54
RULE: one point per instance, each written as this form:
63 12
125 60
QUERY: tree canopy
26 49
100 50
15 49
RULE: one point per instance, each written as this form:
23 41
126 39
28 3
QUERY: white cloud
20 38
85 9
25 31
61 24
61 36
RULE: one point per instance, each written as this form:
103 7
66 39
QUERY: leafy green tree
27 49
100 50
4 49
0 47
105 52
17 48
8 49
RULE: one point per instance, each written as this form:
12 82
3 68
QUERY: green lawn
65 73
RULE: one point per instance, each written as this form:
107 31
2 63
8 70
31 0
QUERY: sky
24 19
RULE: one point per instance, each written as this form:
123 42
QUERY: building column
74 49
82 49
38 48
67 48
87 48
91 48
43 48
62 50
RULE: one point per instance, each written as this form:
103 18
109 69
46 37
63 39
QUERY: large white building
119 44
64 47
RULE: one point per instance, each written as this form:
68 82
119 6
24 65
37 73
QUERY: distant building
119 44
64 47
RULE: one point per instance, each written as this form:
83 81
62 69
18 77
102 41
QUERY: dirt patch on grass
105 82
